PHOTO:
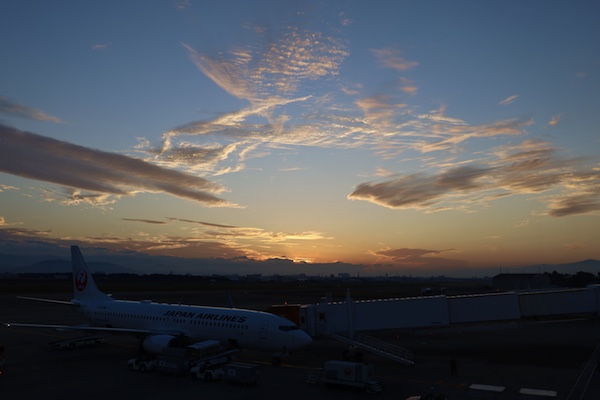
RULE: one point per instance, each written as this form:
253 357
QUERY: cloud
415 260
206 240
267 67
266 72
183 4
256 243
554 121
270 69
7 187
420 191
508 100
193 157
577 203
300 55
72 197
151 221
100 46
406 254
149 255
576 245
408 87
8 107
230 75
253 242
17 240
392 58
203 223
233 124
241 136
240 232
396 127
103 174
454 132
146 221
378 109
530 168
21 235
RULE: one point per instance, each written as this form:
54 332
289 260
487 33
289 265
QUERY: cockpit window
287 328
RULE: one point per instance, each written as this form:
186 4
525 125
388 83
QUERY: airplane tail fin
84 286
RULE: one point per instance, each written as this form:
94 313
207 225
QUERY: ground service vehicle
207 374
172 365
142 364
209 353
431 396
198 358
208 356
346 373
244 373
83 341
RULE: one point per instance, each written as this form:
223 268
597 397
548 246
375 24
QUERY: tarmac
541 355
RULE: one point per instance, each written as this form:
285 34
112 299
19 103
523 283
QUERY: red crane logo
81 280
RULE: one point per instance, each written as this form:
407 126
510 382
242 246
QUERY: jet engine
156 344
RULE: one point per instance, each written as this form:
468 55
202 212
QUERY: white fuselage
240 327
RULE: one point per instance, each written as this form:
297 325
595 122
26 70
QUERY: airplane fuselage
239 327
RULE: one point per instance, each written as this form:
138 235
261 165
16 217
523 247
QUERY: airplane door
264 328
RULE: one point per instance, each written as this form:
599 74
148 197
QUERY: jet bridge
338 321
375 346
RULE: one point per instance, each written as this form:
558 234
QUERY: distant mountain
8 261
138 263
43 267
61 266
591 266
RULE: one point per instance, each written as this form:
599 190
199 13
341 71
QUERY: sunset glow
402 137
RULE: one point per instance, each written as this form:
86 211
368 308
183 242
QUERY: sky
412 137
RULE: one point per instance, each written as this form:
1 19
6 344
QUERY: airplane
160 325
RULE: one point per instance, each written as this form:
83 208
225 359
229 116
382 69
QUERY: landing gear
277 357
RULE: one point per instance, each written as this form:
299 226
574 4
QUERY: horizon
140 264
404 138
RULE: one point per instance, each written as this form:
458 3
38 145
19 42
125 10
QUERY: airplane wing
68 303
86 328
96 329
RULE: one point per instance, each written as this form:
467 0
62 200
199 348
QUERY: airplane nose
302 339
